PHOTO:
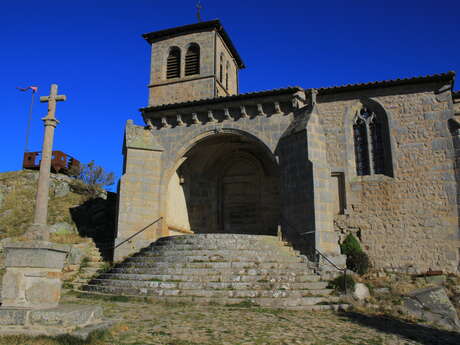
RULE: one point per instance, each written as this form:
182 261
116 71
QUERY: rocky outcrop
432 305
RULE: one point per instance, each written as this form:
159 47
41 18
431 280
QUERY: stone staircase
219 268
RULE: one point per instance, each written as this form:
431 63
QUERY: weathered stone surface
63 319
35 254
61 227
33 274
433 305
66 315
12 317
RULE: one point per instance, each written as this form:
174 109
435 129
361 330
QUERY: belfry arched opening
225 183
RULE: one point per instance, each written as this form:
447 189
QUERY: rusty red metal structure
60 162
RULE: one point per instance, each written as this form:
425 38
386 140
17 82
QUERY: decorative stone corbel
180 123
164 123
298 101
227 115
260 110
244 114
277 108
149 123
313 94
195 119
211 117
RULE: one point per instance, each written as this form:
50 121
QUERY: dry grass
16 213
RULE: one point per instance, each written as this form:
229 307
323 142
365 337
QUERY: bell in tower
192 62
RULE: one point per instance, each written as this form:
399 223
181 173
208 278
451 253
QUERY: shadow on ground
423 334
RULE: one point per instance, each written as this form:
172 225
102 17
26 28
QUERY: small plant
357 259
341 282
358 262
350 245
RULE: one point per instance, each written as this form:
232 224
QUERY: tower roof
155 36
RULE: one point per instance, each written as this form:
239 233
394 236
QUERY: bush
341 281
350 245
358 262
93 176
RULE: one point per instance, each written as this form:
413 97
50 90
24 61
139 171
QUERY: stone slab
35 254
63 319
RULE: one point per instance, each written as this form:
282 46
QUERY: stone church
377 159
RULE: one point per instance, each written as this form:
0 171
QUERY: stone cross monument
32 282
38 230
33 267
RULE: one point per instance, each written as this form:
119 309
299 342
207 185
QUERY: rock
61 227
361 292
382 291
61 189
432 305
75 257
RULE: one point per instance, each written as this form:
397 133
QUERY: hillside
76 212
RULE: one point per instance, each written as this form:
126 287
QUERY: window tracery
372 151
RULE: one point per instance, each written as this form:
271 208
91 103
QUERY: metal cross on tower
198 10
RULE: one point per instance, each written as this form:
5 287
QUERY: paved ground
142 323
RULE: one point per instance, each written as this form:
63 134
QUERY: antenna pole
26 149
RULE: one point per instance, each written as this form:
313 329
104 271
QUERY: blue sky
94 51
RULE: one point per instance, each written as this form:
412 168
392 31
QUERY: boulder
61 227
431 305
361 292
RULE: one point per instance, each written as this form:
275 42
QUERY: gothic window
226 76
221 68
372 147
173 63
192 60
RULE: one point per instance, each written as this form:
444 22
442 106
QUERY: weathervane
198 10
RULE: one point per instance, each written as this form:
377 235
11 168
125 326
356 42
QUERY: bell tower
192 62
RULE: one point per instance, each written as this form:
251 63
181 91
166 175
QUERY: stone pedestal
33 274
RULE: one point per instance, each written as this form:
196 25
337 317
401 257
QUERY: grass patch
95 338
243 304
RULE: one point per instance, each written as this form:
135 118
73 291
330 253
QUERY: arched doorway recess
226 183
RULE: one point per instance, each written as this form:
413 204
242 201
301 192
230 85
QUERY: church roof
180 30
241 96
449 76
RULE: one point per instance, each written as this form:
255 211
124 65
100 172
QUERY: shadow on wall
96 218
421 334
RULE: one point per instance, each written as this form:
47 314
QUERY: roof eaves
449 76
273 92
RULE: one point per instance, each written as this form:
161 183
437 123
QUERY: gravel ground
187 324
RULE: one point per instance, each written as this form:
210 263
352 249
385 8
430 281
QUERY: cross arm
44 99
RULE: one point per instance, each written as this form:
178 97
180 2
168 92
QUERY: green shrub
358 262
341 281
350 245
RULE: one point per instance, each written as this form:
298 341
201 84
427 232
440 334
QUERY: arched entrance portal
226 183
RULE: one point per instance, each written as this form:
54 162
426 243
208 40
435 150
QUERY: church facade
376 159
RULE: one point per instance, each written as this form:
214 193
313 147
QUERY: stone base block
60 320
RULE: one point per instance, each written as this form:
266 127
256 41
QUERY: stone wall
221 49
409 221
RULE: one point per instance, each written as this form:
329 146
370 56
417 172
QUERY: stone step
215 265
211 285
265 302
210 271
214 255
301 296
212 277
